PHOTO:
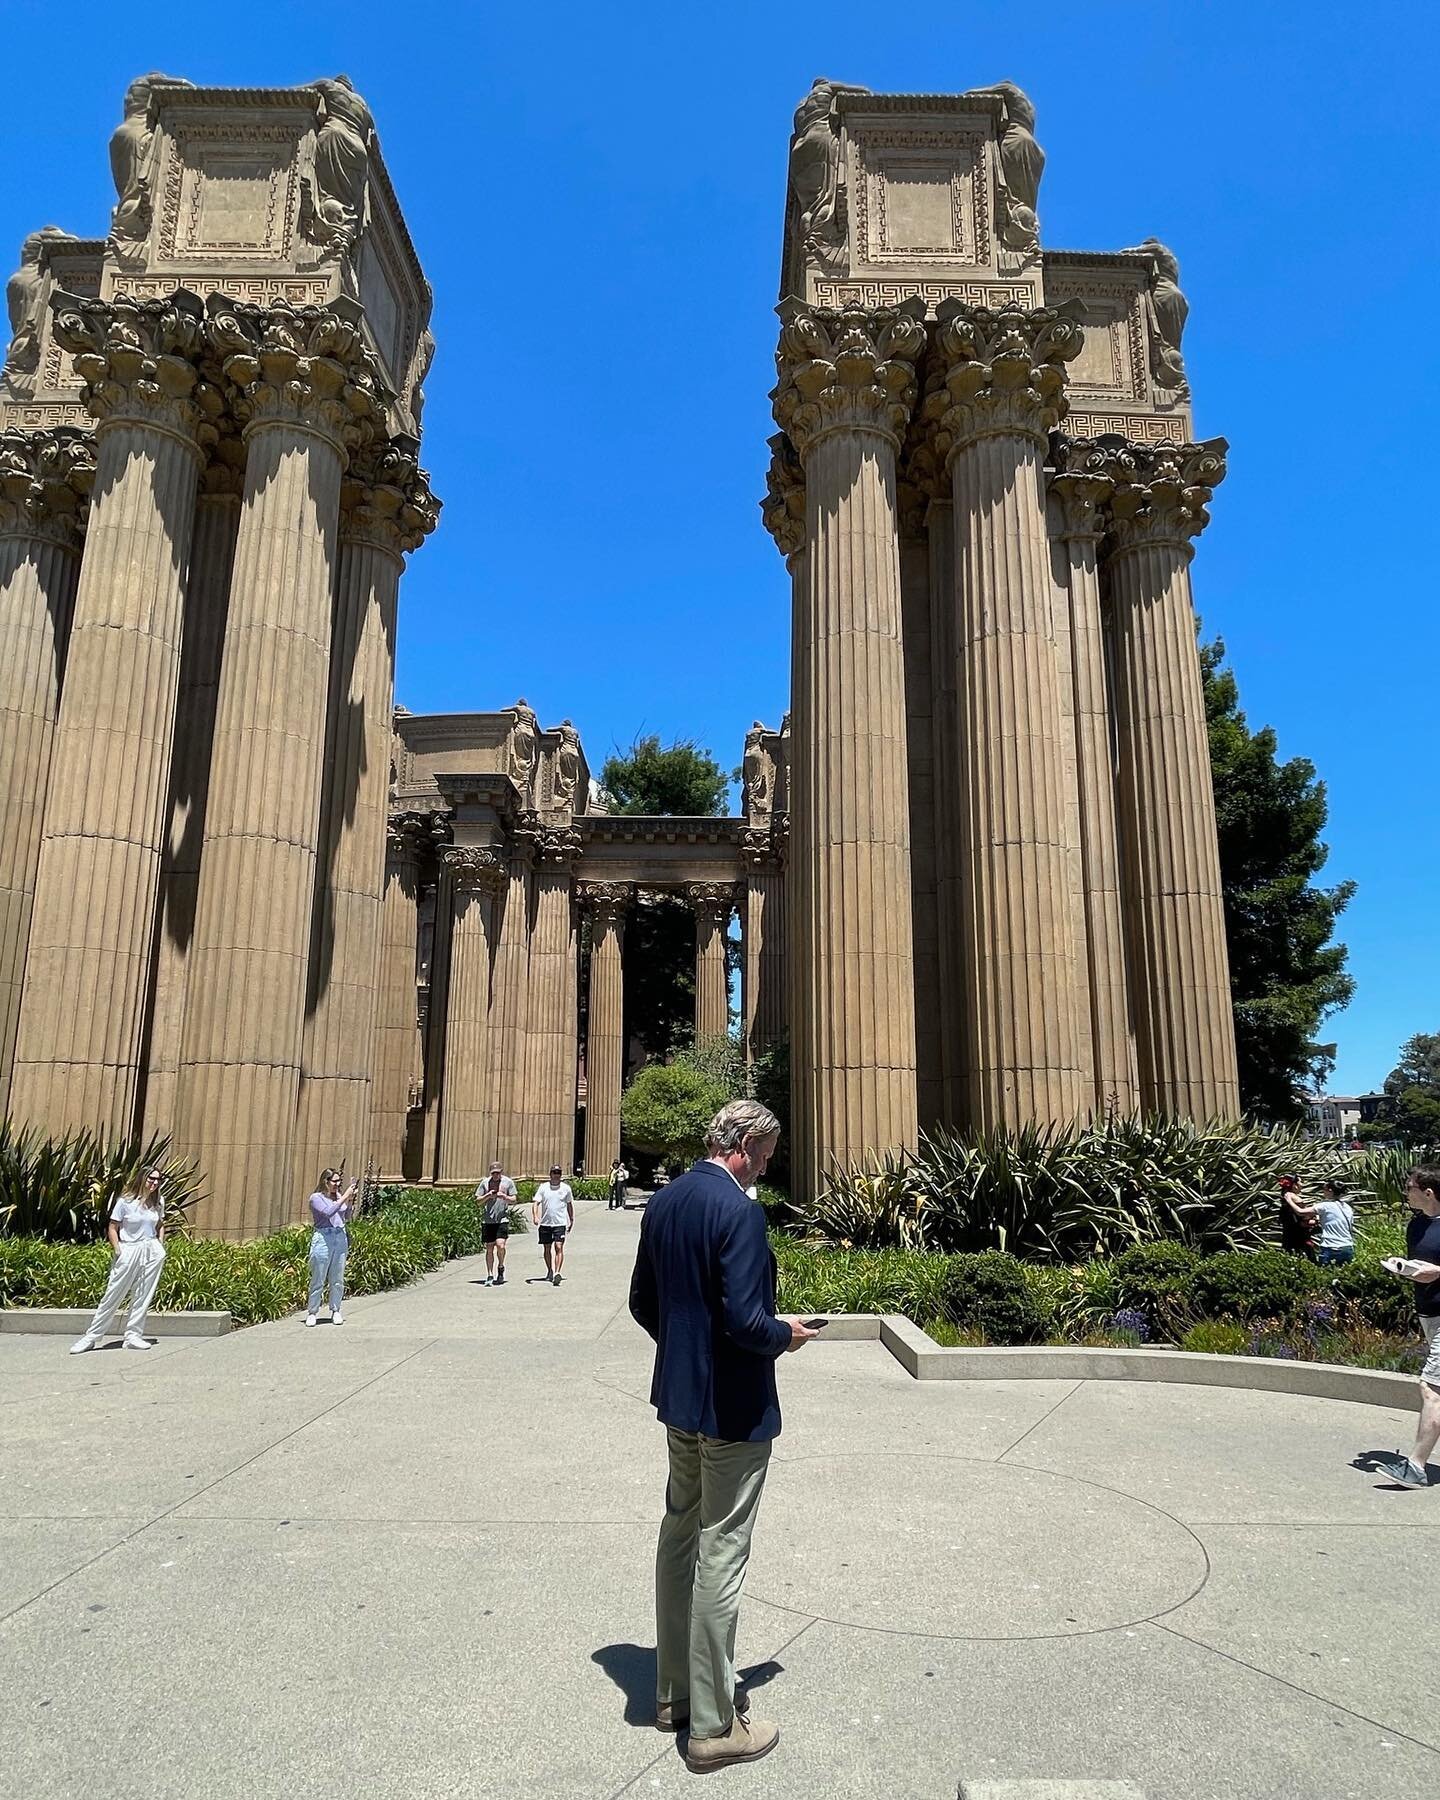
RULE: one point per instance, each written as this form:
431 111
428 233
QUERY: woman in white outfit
137 1217
329 1245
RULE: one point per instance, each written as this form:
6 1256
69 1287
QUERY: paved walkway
411 1557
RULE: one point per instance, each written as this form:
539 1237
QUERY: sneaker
747 1740
310 1319
489 1281
337 1318
675 1715
1400 1468
82 1344
134 1341
500 1279
558 1278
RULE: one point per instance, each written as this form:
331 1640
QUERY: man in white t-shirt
554 1211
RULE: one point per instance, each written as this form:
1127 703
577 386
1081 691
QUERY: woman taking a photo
329 1245
137 1215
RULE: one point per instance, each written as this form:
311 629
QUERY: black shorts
489 1233
553 1234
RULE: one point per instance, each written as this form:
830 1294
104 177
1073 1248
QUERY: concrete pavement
410 1556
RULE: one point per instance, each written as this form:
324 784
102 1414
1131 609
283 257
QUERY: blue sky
596 195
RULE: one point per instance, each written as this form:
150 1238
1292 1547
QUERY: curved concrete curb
73 1319
922 1357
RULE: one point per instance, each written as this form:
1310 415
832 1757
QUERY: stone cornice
1162 493
657 828
475 870
999 373
302 366
783 508
45 482
139 360
850 368
385 499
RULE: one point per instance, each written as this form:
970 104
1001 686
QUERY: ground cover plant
1068 1193
404 1234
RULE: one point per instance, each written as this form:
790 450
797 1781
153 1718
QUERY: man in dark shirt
704 1289
1422 1266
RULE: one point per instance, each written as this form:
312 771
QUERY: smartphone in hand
814 1324
1400 1265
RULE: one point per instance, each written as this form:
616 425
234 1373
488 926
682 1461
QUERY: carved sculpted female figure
342 152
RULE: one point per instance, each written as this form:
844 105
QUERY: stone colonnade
492 1072
205 936
1074 956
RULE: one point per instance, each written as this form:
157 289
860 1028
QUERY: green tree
1411 1109
654 780
679 779
667 1106
1285 974
1419 1065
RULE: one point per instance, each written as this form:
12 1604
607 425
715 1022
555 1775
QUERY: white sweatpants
136 1272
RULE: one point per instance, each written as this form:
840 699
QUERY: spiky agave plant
57 1188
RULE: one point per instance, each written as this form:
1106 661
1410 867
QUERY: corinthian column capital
847 369
712 901
607 902
999 372
783 508
385 499
556 847
45 482
305 366
476 871
138 359
1162 492
1083 480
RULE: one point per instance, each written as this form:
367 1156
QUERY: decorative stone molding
406 837
783 508
45 482
476 871
385 499
712 900
1083 480
137 359
1162 492
999 372
847 370
305 366
763 847
606 901
556 847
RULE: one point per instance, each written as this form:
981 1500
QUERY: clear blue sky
596 195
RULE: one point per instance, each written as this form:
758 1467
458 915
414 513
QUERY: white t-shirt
136 1222
1337 1224
554 1203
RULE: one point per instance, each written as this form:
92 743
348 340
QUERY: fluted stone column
1185 1032
207 604
437 1016
1082 485
548 1097
78 1056
45 482
510 1006
467 1108
607 902
845 393
949 997
712 903
385 510
396 1058
307 387
764 975
995 393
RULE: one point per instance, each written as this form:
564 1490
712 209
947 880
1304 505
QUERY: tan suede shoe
669 1717
747 1740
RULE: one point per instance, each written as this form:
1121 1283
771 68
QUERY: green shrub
989 1290
1363 1291
1218 1337
59 1189
1263 1284
1158 1280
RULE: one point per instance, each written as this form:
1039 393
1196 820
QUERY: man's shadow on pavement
1374 1462
632 1668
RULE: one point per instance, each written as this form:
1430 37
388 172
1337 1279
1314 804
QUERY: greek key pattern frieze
893 292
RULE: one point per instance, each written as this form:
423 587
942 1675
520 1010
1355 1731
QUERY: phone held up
814 1324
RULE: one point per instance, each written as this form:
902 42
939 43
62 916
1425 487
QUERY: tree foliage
667 1106
1411 1109
1285 974
679 779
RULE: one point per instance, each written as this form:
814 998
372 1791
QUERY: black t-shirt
1295 1233
1422 1241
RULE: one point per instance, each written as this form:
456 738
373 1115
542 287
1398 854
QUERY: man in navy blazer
704 1288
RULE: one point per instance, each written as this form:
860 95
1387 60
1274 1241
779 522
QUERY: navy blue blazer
704 1288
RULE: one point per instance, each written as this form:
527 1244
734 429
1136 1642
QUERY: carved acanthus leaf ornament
45 483
783 508
999 372
1162 492
138 359
847 369
300 365
476 870
1083 480
607 902
385 499
712 901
